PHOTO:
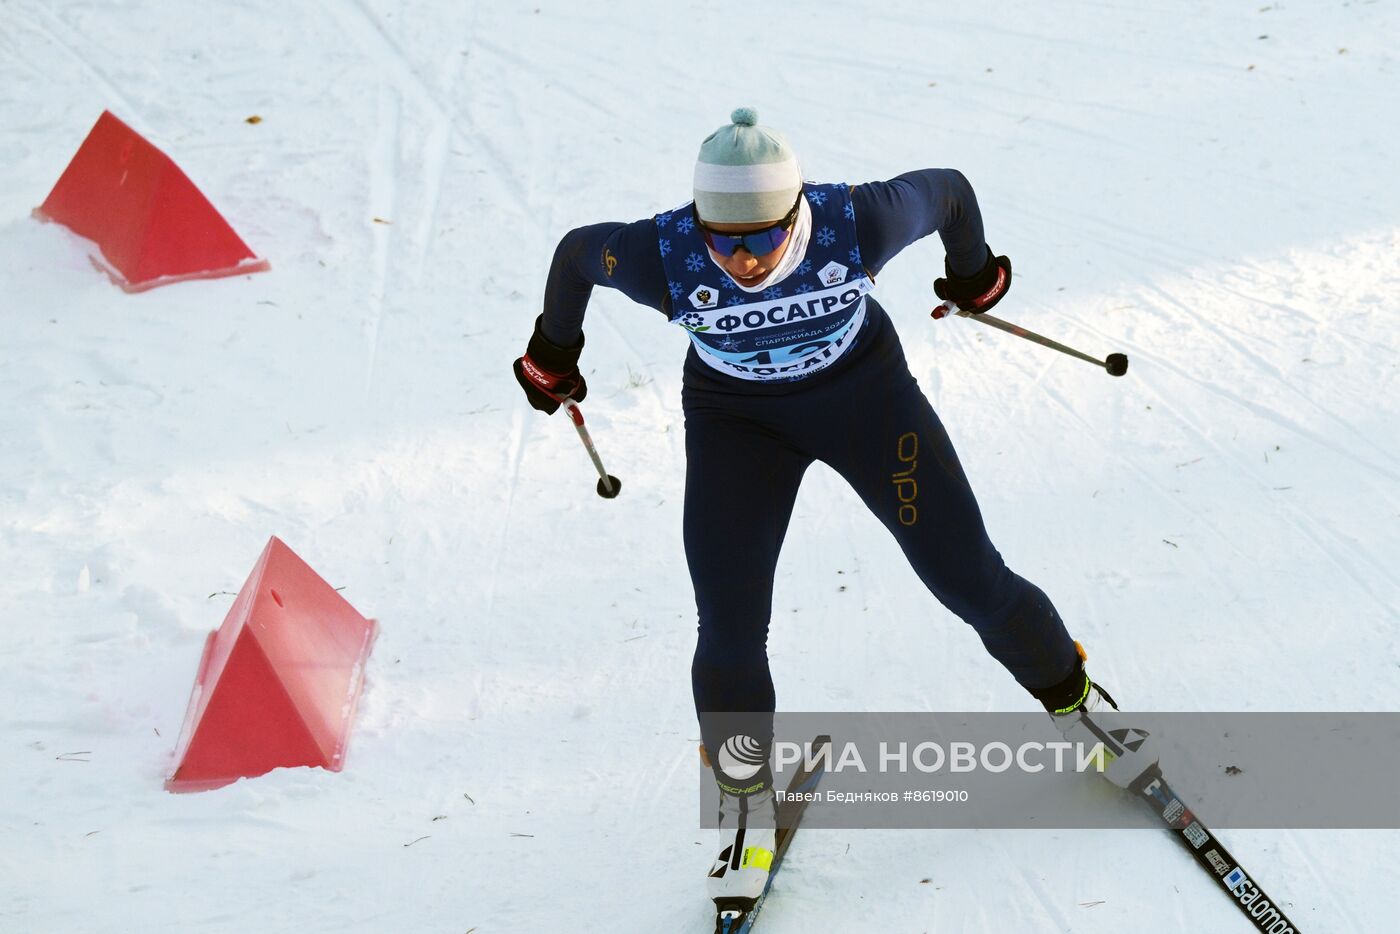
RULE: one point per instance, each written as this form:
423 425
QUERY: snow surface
1206 186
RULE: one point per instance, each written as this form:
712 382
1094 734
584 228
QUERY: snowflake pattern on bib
793 328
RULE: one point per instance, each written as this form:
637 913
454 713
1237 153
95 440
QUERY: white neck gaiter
797 249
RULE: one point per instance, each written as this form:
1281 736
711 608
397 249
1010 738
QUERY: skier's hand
549 373
980 291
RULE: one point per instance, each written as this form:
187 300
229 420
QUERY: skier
791 360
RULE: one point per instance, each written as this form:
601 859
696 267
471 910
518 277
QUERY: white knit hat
745 173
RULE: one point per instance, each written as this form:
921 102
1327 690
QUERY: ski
741 920
1261 910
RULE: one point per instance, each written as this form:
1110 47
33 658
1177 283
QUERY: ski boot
1086 714
748 821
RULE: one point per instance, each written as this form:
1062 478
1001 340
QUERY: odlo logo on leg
905 486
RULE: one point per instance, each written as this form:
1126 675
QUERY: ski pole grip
944 310
575 413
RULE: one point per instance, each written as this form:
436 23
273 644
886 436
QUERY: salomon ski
1263 912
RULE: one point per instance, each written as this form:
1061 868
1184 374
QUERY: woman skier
791 360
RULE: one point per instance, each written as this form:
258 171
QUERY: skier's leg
898 457
740 485
900 461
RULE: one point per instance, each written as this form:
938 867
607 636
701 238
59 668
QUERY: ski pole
608 485
1116 363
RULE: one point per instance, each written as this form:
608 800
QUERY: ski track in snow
1281 383
1329 543
514 457
361 23
112 90
1155 178
383 197
1337 904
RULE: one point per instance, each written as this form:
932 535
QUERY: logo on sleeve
833 273
705 297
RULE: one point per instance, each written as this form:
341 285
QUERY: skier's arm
891 215
626 257
622 256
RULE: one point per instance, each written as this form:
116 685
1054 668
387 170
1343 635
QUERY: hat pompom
744 116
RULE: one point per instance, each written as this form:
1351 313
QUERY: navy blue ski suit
863 415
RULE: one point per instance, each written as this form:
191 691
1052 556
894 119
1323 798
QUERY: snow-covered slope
1207 187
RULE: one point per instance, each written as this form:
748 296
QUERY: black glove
549 373
977 292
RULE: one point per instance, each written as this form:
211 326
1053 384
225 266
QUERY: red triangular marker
150 222
279 680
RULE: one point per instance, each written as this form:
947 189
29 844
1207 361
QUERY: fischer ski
741 920
1261 910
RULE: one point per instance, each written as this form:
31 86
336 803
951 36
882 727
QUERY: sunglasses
757 242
